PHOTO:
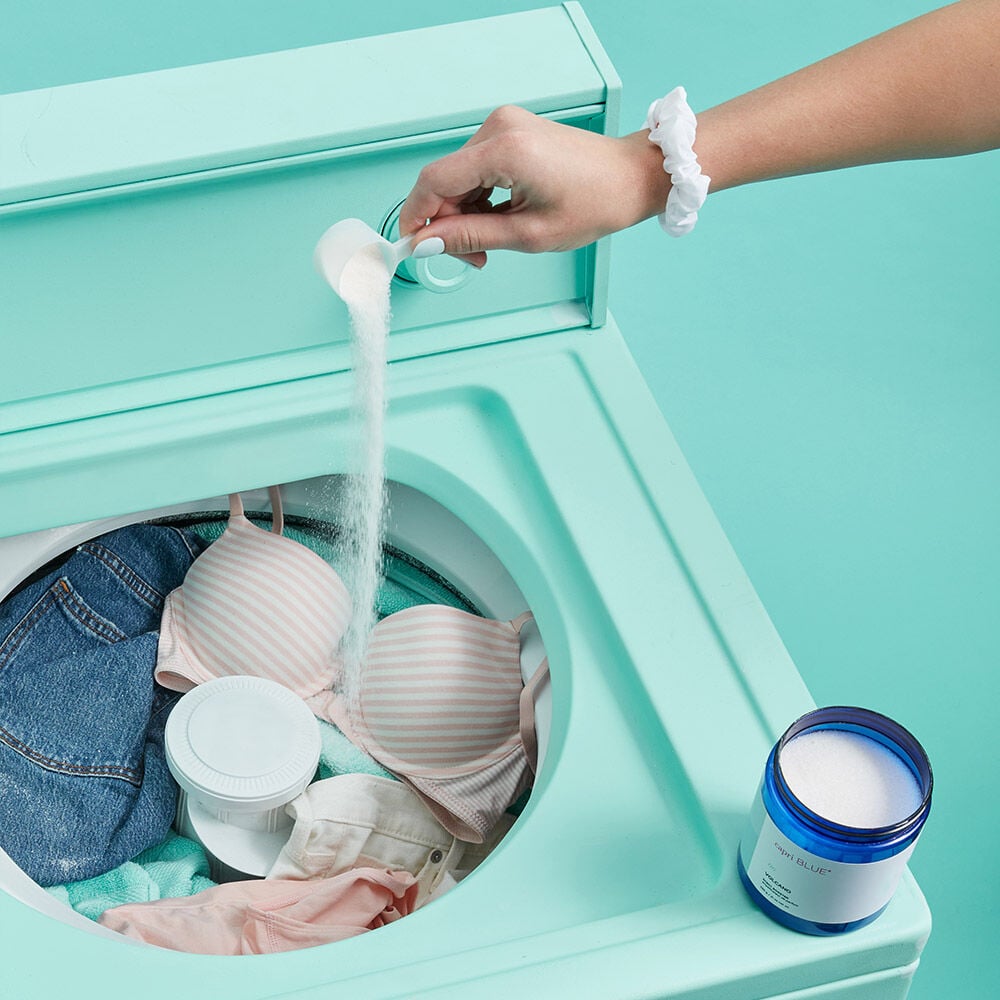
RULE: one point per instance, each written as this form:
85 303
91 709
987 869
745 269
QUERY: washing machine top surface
668 688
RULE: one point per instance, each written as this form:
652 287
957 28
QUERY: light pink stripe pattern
256 603
440 692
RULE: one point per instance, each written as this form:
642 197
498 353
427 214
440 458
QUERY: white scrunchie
672 127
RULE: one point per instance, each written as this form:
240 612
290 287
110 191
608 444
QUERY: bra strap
526 703
526 707
277 509
521 620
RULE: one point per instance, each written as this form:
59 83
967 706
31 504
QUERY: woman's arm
929 87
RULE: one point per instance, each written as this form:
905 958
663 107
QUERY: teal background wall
828 355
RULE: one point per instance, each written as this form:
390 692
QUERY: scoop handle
403 248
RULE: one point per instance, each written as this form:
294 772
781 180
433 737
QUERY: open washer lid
156 230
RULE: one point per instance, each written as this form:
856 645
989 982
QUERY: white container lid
242 744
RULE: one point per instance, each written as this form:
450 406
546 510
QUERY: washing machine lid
156 230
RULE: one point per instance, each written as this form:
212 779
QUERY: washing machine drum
45 569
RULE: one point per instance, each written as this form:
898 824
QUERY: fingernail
430 247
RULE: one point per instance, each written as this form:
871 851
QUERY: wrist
651 180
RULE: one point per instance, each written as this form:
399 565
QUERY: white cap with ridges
242 745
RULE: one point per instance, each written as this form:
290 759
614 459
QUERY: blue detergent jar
822 875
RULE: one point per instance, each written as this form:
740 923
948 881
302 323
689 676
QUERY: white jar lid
242 744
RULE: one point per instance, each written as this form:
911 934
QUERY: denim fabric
84 784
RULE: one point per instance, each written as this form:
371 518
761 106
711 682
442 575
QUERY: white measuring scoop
345 238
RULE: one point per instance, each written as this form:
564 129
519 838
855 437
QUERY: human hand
568 187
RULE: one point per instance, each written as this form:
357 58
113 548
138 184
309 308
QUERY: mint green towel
176 867
338 755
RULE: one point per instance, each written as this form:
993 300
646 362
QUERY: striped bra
441 702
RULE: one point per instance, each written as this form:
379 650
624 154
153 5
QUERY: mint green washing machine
167 341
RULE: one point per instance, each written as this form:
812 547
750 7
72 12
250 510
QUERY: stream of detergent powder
364 287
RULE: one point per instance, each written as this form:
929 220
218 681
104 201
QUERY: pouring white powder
364 287
849 779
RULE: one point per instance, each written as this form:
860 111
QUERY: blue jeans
84 784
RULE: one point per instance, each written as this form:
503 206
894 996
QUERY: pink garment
260 917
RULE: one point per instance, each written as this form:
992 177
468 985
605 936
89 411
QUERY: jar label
814 888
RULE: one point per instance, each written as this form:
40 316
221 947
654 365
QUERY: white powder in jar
850 779
364 287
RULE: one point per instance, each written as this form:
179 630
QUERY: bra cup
440 695
256 603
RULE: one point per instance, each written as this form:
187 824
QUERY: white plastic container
240 748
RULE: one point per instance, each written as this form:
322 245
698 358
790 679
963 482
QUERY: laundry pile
415 785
